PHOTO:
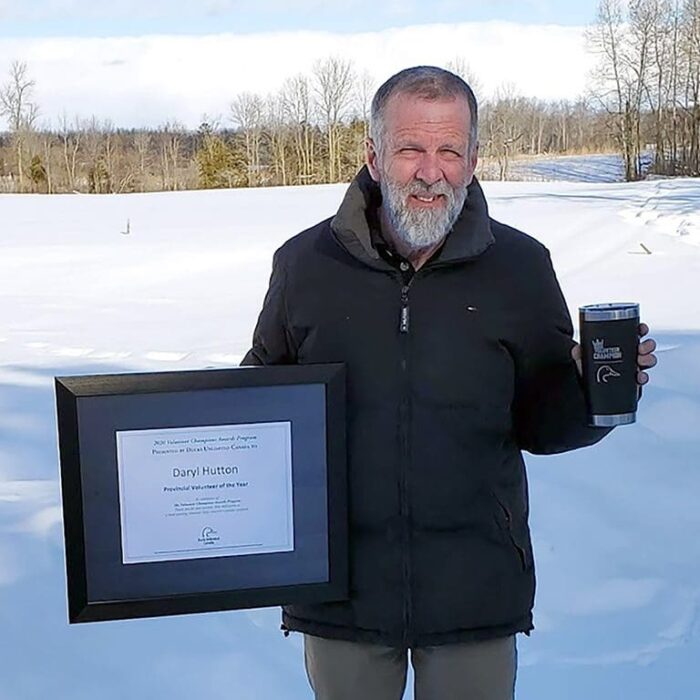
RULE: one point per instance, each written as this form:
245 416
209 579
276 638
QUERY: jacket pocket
515 532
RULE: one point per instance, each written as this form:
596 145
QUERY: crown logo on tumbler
600 352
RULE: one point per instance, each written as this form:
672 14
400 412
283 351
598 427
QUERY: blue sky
44 18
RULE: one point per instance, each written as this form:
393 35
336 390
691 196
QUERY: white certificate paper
213 491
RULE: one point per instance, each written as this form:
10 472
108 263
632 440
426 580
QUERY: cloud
138 81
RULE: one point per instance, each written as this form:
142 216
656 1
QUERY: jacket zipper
405 312
404 428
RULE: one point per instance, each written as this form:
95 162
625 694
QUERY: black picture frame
90 411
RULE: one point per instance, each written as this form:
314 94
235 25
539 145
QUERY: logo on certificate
209 536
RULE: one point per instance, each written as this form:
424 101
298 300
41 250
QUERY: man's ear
473 159
371 157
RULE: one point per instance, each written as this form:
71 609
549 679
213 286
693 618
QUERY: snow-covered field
592 168
616 526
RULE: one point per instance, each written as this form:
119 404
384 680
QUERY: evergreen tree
37 173
217 163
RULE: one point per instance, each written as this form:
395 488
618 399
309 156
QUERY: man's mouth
427 199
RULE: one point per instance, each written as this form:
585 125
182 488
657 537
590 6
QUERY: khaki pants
341 670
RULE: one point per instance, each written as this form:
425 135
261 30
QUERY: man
459 353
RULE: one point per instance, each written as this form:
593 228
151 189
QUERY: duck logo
209 536
604 373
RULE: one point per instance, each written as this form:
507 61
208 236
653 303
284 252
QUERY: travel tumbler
609 346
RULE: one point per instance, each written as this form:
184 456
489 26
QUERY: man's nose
429 170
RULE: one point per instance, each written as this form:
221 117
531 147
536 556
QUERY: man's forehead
406 112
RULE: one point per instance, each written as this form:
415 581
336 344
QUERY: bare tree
648 80
48 142
333 85
278 135
169 145
17 107
142 145
505 128
298 110
365 86
247 114
623 45
606 38
70 137
460 67
690 103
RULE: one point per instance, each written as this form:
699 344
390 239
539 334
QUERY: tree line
644 96
311 131
647 81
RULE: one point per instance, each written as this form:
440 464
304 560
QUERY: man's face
424 167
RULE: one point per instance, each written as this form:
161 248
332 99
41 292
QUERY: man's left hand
645 355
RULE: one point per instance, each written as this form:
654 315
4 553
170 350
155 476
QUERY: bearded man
459 353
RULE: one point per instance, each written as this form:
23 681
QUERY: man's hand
645 355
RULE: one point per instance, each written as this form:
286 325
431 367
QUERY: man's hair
427 83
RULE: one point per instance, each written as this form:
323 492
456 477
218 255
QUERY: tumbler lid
617 311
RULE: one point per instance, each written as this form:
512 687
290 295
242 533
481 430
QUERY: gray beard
420 229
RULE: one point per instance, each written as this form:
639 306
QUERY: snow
615 526
597 167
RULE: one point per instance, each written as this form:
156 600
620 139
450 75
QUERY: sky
142 64
32 18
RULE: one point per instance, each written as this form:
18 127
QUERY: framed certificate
201 491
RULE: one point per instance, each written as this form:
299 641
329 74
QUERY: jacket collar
470 236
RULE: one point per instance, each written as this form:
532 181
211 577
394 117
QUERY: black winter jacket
449 378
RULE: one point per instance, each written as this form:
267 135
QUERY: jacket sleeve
549 406
271 339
